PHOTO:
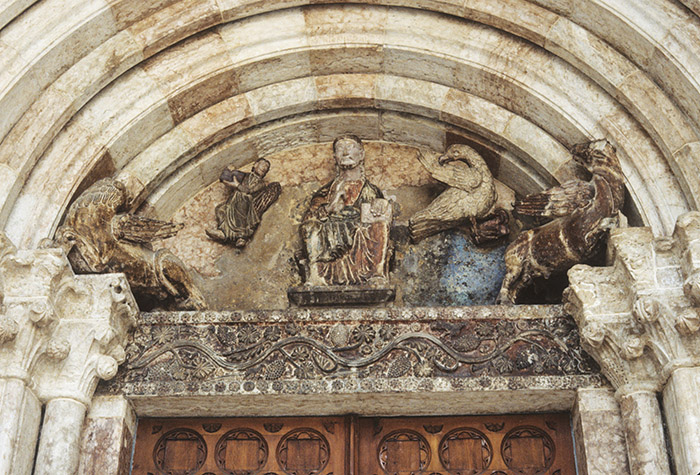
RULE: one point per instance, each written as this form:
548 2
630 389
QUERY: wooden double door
493 445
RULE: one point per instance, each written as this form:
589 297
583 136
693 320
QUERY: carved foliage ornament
181 357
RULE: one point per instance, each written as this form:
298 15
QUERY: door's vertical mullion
351 447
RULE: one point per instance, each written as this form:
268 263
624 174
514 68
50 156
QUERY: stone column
59 445
598 433
59 334
108 437
20 414
639 319
27 320
644 432
96 313
681 398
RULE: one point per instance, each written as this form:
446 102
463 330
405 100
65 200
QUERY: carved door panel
483 445
473 445
242 446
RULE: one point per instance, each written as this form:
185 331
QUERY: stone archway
162 94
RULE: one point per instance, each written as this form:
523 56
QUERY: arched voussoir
542 160
527 68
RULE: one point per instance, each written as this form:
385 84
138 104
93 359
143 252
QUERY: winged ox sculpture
581 214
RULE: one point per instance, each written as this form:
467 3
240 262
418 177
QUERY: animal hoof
503 300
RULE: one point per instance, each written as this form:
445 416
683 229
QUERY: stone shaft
108 437
681 398
598 434
59 444
19 427
644 433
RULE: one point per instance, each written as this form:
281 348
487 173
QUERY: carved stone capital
639 317
60 332
95 315
28 317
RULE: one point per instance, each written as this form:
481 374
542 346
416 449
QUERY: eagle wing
556 202
140 229
456 174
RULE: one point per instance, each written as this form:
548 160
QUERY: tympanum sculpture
239 217
582 213
470 199
99 236
345 230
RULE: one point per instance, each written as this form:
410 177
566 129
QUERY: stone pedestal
19 427
681 398
598 434
340 295
59 445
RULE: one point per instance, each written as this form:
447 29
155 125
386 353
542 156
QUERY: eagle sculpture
99 236
469 198
582 212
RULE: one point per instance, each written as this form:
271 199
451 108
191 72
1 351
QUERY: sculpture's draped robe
238 217
345 251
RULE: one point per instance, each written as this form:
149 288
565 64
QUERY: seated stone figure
346 228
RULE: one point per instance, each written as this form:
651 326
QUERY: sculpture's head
348 151
261 167
460 152
597 152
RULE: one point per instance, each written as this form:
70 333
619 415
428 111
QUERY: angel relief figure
99 236
469 199
239 217
581 214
